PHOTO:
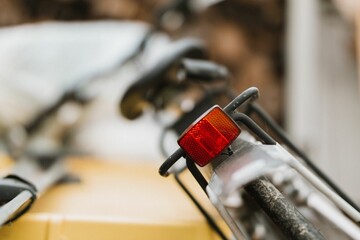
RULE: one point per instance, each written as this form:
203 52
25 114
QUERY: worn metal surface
281 211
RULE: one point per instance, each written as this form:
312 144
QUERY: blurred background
302 55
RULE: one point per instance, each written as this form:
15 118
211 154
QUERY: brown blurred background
247 36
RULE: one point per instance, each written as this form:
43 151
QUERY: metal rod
206 215
247 121
340 202
283 213
253 107
321 186
237 229
197 174
170 161
330 212
248 94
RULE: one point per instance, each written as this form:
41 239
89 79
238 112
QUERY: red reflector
209 136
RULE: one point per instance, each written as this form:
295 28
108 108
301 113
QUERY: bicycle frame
286 217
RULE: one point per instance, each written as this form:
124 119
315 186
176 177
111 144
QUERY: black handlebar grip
202 70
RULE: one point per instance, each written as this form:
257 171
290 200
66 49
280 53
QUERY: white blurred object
38 61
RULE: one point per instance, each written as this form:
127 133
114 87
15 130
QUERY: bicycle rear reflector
209 136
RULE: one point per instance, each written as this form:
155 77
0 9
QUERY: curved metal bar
170 161
249 94
247 121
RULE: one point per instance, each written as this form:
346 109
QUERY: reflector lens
209 136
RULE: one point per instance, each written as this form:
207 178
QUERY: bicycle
286 217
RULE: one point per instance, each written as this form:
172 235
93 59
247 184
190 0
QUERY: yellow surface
112 201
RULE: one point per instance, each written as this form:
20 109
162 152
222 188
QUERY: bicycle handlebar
131 105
